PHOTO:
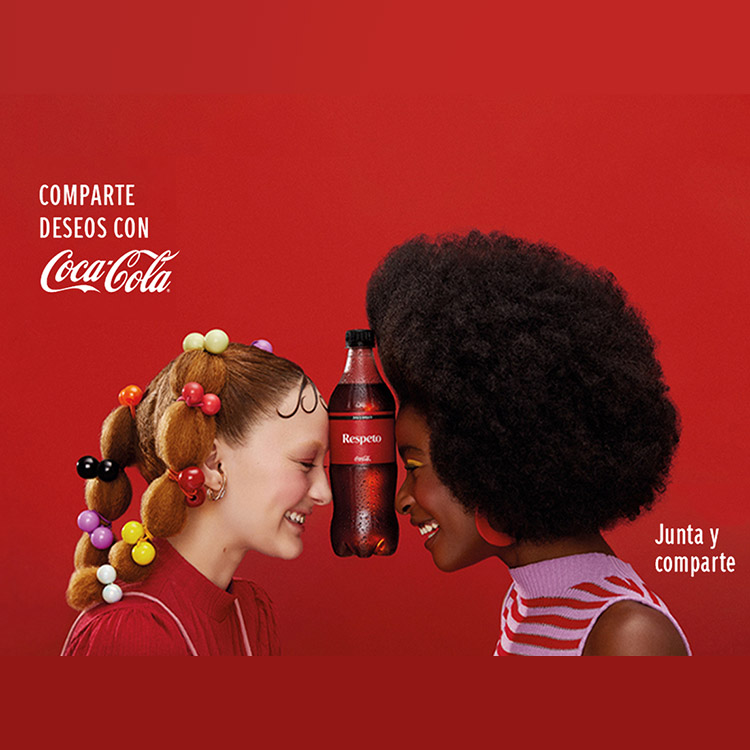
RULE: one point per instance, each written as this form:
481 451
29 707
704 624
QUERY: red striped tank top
552 606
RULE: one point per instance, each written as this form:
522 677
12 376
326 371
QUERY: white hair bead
112 593
106 574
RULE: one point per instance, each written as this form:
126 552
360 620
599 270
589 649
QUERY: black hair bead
87 467
108 470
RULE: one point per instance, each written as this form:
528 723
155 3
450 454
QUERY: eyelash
412 466
310 466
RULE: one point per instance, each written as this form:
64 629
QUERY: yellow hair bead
143 553
216 341
193 341
132 531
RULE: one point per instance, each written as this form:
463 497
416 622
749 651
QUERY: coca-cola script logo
127 273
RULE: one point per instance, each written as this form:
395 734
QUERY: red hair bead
197 498
211 404
190 479
192 394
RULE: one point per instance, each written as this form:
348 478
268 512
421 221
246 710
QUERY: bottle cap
360 337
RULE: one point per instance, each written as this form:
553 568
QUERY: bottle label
362 438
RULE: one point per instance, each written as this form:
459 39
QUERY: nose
320 491
404 500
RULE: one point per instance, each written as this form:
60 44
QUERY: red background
281 199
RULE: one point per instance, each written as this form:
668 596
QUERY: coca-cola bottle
363 457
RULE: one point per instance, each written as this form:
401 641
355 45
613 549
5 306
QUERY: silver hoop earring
220 492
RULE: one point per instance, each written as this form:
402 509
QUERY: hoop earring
495 538
221 491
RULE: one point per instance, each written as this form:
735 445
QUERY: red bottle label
362 438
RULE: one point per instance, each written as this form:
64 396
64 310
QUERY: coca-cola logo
128 273
361 439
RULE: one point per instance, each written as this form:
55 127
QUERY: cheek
289 489
435 498
454 521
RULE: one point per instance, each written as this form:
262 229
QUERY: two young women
533 416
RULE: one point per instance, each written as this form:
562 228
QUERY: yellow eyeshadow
413 464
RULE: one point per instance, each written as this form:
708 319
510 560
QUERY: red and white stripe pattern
552 606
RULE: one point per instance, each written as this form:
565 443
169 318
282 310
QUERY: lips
427 529
295 517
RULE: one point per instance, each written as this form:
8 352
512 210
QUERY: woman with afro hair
533 415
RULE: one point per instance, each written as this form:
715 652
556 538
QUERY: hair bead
112 593
106 574
97 527
193 395
263 344
132 531
89 468
130 396
214 342
143 553
86 466
102 537
88 520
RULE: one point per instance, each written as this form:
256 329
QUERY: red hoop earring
495 538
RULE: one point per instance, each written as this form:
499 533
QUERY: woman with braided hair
533 415
231 440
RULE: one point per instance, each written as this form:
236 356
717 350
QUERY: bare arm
632 629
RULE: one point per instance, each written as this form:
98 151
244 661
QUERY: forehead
308 422
302 397
411 428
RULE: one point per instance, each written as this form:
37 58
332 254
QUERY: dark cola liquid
364 518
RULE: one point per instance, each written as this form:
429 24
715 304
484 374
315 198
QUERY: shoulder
132 627
629 628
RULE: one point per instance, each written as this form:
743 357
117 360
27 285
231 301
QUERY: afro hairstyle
546 405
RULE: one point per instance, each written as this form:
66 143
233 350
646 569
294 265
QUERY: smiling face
276 477
446 526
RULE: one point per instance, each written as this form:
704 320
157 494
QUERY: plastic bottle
363 467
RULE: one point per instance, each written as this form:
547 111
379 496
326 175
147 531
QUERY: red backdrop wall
280 207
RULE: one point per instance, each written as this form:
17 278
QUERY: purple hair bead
88 520
102 537
263 344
